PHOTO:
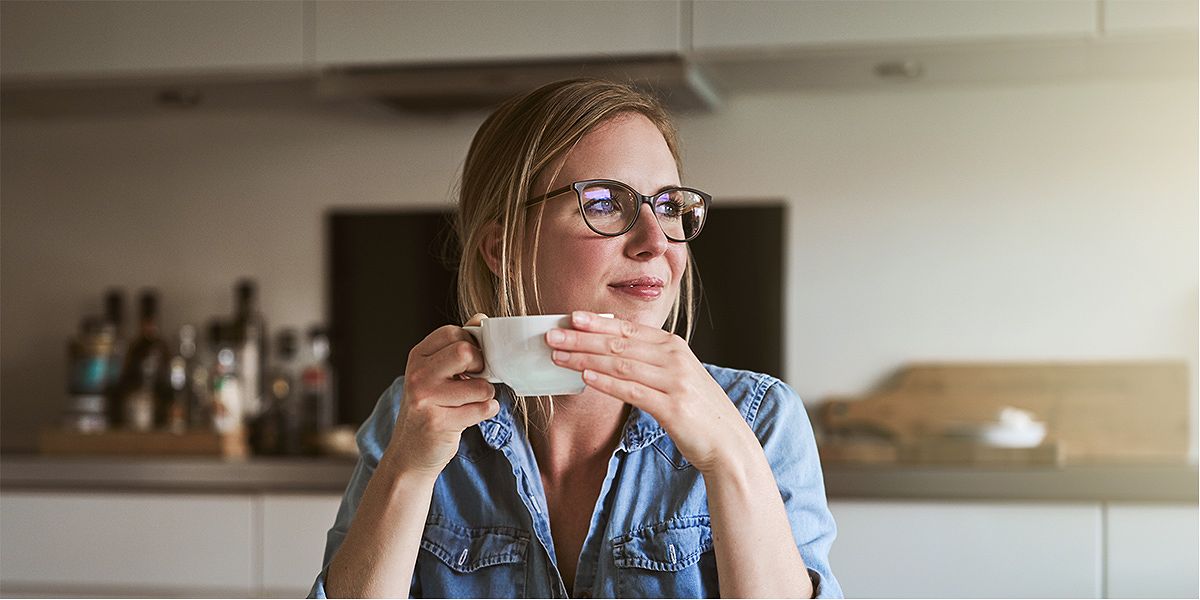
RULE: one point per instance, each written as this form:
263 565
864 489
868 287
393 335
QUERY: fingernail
580 318
589 375
560 356
555 336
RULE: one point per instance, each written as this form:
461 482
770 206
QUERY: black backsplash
391 283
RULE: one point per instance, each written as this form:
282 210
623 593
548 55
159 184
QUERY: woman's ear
489 246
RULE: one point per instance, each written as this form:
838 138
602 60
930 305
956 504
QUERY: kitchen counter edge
1111 483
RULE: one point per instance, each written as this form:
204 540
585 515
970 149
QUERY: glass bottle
140 402
179 374
250 339
89 355
317 403
227 406
277 428
147 344
202 365
114 321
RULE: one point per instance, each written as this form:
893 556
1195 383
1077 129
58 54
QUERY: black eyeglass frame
647 200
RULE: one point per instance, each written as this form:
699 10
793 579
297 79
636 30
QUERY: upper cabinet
719 25
1150 16
417 31
64 39
47 41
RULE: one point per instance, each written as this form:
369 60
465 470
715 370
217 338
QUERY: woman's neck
584 430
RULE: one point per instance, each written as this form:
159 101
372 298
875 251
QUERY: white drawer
127 541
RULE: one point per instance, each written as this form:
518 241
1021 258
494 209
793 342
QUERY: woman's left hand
657 372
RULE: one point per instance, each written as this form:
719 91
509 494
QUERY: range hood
456 87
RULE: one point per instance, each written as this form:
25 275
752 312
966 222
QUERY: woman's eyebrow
632 187
665 188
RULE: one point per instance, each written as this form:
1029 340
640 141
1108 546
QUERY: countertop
1122 483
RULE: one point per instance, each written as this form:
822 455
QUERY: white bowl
1029 435
1001 435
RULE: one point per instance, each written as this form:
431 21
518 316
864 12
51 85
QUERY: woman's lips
641 292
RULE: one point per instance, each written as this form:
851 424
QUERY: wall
1040 221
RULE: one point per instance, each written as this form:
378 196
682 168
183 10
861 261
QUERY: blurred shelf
259 474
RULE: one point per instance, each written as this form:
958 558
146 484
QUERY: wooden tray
1095 412
151 443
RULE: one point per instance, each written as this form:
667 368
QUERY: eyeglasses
610 208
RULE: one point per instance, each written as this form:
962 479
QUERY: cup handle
487 372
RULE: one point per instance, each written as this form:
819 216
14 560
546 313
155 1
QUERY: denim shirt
488 532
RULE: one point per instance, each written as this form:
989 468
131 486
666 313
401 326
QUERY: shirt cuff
813 576
318 588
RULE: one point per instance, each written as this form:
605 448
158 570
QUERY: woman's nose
647 236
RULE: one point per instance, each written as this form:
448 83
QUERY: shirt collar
640 428
498 429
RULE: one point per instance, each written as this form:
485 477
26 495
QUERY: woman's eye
670 208
602 207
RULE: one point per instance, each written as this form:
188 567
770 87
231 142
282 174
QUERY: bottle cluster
230 378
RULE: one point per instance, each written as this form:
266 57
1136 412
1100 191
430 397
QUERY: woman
665 477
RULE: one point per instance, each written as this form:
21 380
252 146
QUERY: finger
636 394
619 367
468 391
589 321
462 356
475 319
440 338
572 340
469 415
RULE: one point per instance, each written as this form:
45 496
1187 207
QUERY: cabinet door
355 32
73 38
765 24
967 549
1150 16
1153 550
119 544
294 528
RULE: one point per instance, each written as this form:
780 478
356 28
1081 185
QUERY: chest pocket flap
668 546
468 549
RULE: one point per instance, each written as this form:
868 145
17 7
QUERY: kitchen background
1032 196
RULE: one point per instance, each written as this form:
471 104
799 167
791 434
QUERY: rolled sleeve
782 426
318 588
372 438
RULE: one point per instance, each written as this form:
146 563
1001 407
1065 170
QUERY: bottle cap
245 289
149 303
114 305
285 343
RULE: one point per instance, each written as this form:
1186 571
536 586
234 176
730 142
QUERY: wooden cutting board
1095 412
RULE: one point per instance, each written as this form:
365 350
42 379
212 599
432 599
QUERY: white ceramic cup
515 353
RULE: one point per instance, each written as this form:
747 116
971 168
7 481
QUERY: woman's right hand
438 404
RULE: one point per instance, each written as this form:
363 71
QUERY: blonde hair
524 136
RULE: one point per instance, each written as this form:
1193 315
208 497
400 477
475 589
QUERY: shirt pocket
673 558
481 562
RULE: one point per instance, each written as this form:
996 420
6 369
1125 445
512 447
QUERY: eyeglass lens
609 209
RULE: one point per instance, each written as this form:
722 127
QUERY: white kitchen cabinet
415 31
890 549
272 545
119 544
294 528
1150 16
718 25
56 39
1153 550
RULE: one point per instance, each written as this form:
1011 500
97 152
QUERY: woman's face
578 269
